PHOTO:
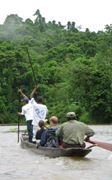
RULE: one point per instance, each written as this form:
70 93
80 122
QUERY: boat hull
54 152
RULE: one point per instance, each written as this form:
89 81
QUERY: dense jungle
73 68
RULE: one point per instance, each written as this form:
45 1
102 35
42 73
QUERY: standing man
73 132
27 111
39 110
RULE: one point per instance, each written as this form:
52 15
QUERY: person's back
49 138
39 111
41 130
27 111
73 132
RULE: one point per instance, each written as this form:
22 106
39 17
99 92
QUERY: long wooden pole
31 66
18 118
18 126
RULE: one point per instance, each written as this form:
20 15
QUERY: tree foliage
72 67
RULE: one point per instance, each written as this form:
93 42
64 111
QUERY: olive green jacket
74 132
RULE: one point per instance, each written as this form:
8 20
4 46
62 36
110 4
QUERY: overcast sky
92 14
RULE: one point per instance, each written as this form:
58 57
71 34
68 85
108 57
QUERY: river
17 163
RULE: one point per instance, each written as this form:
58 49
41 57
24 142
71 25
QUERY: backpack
52 140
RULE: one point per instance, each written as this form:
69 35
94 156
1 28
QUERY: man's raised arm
21 92
33 92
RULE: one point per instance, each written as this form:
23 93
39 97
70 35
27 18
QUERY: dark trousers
30 130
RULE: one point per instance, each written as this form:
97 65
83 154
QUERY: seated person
42 125
48 137
73 132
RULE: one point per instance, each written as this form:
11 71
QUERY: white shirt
27 111
39 112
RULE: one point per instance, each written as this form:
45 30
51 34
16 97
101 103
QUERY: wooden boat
54 152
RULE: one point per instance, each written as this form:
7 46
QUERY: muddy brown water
17 163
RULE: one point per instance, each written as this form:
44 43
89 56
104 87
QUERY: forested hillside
73 68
